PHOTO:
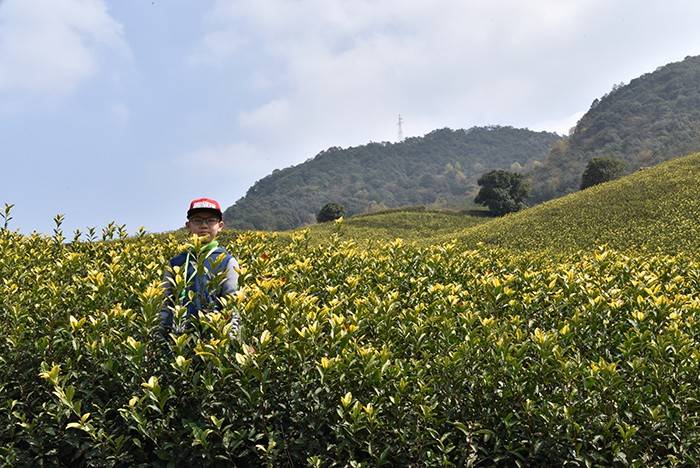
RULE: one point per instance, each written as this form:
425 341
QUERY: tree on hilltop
330 212
502 191
601 170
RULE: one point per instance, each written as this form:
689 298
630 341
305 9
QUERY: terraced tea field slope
417 226
653 210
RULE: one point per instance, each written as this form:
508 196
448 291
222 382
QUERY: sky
125 110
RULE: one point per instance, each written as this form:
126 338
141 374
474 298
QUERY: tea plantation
454 354
415 226
653 210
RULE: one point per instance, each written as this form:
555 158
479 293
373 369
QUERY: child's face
204 224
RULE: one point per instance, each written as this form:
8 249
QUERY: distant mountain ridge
654 118
439 169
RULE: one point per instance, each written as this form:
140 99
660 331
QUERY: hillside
439 169
654 209
418 226
652 119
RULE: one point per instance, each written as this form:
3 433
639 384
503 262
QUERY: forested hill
439 169
654 118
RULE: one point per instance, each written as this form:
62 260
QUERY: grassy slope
419 226
655 209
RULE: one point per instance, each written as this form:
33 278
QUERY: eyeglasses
203 221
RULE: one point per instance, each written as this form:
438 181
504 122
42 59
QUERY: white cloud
344 70
337 73
274 113
562 126
240 159
215 48
222 171
51 46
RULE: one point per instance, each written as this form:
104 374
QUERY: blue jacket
199 284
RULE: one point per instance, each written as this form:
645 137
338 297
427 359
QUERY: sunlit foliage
396 355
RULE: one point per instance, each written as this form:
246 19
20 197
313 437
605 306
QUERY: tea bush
396 356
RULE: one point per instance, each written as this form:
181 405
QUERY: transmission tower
400 128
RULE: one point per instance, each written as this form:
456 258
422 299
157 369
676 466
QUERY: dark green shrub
502 191
330 212
601 170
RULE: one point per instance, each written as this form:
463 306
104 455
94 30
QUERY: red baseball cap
204 204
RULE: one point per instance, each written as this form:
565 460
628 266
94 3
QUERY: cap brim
204 210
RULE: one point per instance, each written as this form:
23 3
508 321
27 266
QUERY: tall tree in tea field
601 170
502 191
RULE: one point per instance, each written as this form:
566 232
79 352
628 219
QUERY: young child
204 218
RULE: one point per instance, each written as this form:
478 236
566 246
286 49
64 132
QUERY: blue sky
126 109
